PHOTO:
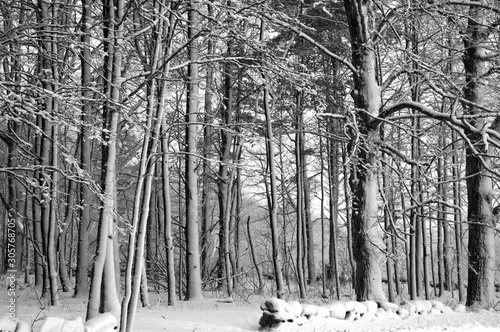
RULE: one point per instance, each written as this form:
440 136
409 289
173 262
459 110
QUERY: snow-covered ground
215 314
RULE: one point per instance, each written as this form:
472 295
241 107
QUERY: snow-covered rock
53 324
277 312
105 322
309 310
295 308
337 310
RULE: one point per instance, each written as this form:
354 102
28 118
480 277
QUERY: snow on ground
215 314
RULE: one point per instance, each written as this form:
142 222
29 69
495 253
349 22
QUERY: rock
323 312
369 316
105 322
371 306
409 306
337 310
381 313
419 306
435 311
403 313
57 324
360 308
427 306
437 304
274 305
286 316
269 319
301 320
350 316
390 315
295 308
309 310
349 305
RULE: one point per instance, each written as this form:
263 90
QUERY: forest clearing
192 164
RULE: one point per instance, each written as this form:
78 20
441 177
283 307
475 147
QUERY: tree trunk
193 267
301 263
481 289
224 176
457 217
63 247
207 156
348 219
140 225
253 256
272 199
363 177
322 216
167 211
103 296
82 266
333 182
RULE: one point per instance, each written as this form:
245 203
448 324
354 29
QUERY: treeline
201 145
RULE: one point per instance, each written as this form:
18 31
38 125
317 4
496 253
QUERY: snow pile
276 312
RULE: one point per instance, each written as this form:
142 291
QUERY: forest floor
219 314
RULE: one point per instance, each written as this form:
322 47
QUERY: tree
363 178
480 290
103 296
193 268
225 178
82 280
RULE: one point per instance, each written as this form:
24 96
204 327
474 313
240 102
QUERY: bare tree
193 267
363 178
480 290
103 296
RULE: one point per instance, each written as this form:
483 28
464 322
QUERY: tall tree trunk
207 156
63 247
167 212
301 262
82 266
136 252
103 296
311 264
363 177
224 176
333 182
425 257
387 197
17 199
480 290
322 215
272 198
348 218
193 267
457 216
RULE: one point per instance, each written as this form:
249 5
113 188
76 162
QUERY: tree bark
272 198
300 238
224 189
333 181
193 267
363 177
481 289
457 217
82 266
103 296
